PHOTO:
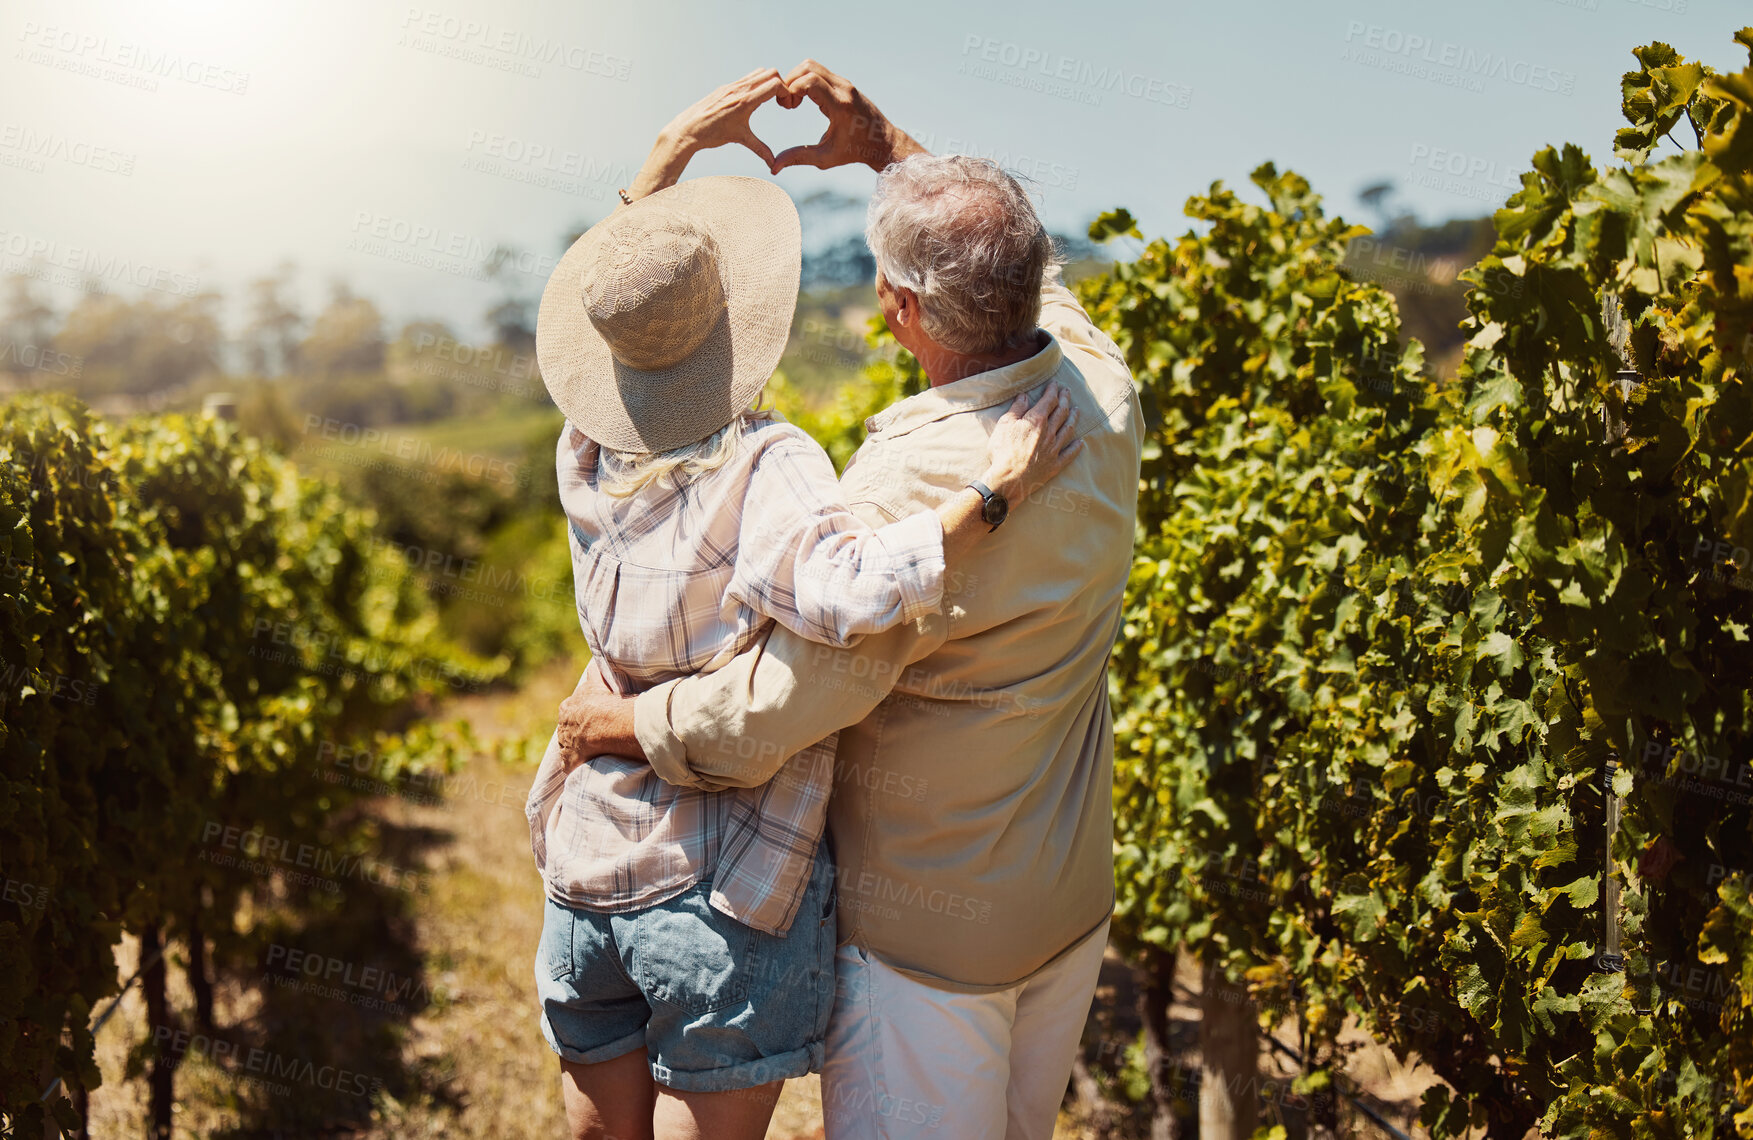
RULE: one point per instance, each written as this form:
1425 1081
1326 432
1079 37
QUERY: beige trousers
905 1059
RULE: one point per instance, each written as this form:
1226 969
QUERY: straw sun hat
664 320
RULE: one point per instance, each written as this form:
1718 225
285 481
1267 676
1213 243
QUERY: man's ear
906 307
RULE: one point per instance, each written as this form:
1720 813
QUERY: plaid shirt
673 581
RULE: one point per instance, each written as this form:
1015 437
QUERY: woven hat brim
760 247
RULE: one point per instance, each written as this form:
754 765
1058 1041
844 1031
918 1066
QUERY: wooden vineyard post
1627 378
1155 995
1229 1049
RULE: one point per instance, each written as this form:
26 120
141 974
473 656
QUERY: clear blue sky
391 143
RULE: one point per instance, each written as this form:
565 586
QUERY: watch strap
986 497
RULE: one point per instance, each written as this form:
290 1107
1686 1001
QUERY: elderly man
971 818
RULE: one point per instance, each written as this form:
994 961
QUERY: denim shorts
716 1005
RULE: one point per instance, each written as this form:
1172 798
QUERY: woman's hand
720 118
595 720
857 131
1031 445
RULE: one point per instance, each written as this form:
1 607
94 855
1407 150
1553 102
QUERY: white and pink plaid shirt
678 580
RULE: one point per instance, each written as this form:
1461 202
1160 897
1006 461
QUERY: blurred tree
25 330
513 316
263 411
844 262
136 347
422 350
1375 198
270 340
345 338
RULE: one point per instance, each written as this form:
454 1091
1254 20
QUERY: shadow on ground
335 983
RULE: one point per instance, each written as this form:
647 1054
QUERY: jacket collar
981 390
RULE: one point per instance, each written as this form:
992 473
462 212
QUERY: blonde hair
633 471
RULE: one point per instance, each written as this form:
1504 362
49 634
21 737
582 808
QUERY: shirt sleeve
784 691
1065 318
806 561
575 460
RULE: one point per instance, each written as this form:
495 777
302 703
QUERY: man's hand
594 721
720 118
857 131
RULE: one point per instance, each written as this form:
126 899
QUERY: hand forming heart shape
784 129
856 131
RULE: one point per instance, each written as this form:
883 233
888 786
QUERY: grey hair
963 236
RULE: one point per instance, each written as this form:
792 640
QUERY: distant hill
1420 264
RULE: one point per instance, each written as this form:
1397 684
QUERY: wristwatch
993 508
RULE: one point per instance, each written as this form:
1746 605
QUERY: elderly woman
686 964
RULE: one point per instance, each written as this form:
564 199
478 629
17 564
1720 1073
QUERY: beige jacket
972 812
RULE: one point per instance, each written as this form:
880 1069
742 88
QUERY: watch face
994 509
